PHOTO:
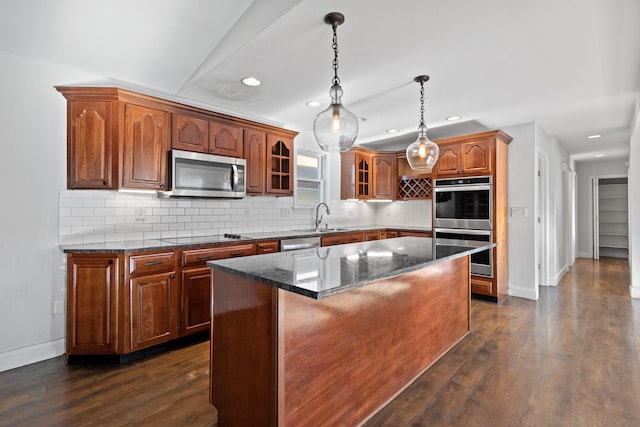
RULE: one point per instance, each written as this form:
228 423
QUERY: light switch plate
518 212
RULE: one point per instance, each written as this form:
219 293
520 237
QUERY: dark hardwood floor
570 359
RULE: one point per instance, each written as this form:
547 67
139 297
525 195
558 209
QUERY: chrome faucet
319 219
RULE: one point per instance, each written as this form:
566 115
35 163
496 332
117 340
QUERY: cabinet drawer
342 239
371 235
151 263
480 286
201 256
267 247
415 233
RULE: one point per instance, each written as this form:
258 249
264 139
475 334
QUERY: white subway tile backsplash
89 216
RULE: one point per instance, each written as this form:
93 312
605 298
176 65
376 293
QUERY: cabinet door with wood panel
476 156
189 133
91 151
146 143
225 139
449 161
92 304
472 157
356 174
279 163
384 176
196 299
255 151
154 309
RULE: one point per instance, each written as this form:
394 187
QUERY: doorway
610 217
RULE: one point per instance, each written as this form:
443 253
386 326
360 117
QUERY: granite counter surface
325 271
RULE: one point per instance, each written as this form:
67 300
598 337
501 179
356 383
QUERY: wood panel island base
309 343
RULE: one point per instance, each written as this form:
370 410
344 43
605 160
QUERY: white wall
634 204
521 195
585 171
32 170
559 199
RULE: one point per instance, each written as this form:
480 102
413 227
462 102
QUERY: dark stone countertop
187 242
325 271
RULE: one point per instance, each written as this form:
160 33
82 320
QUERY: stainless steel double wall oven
463 210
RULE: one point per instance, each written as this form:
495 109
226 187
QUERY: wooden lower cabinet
196 299
481 286
341 239
155 308
122 303
92 307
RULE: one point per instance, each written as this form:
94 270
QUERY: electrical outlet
140 213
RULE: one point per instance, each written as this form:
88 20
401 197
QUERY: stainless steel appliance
205 175
463 203
299 243
481 262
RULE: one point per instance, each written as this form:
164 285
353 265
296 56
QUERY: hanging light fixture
423 153
336 128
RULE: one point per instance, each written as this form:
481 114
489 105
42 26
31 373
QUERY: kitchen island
328 336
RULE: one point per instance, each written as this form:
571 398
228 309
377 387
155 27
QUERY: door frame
541 219
594 203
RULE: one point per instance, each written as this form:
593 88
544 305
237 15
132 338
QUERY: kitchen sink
324 230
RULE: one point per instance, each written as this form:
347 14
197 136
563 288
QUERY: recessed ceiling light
362 119
314 103
598 155
392 130
453 118
594 136
251 81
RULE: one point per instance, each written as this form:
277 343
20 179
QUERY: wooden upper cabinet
449 162
279 163
384 176
473 157
190 133
146 143
225 139
356 174
255 151
477 156
90 148
120 139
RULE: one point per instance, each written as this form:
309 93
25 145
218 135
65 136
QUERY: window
309 179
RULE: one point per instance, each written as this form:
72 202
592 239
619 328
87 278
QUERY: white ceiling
572 66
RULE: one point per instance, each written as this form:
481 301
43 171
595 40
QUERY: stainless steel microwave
205 175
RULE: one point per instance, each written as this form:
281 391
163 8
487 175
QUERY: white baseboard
560 275
585 255
32 354
634 292
527 293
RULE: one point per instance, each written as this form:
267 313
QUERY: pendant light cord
336 80
422 104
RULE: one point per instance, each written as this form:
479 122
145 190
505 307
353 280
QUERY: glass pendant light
423 153
336 128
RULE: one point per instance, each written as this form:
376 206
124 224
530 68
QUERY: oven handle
463 231
463 188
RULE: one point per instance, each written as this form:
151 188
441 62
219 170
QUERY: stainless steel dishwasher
299 243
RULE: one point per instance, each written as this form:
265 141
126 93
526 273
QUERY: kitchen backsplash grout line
97 216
